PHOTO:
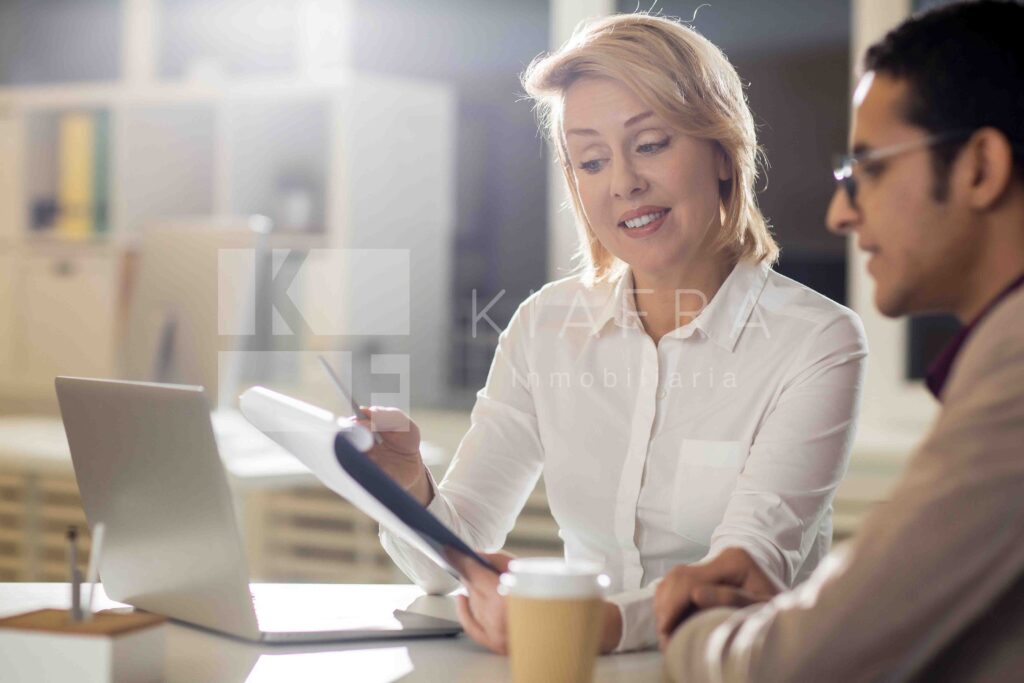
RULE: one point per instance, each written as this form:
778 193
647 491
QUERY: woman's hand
731 579
483 612
398 454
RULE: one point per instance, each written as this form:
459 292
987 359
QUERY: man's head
937 160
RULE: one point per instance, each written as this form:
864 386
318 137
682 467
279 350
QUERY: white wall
565 15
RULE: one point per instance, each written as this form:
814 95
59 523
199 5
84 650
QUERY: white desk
195 656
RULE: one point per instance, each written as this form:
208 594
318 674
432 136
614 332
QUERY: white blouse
734 430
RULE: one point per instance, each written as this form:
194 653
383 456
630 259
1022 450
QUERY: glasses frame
843 164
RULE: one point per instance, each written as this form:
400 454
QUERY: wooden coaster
106 623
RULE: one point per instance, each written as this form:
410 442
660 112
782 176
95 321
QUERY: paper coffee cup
555 615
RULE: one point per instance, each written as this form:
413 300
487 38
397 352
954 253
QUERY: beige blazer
932 586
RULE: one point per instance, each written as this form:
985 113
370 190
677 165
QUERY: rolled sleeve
638 625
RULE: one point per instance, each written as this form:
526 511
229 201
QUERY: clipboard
409 510
319 441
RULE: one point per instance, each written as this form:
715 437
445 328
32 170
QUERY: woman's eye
591 166
651 147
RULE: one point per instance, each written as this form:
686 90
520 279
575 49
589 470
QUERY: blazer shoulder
996 346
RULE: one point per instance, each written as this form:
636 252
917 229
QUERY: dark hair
964 65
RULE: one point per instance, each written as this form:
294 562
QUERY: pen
76 576
346 397
92 575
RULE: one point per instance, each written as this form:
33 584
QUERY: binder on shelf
101 173
83 175
75 155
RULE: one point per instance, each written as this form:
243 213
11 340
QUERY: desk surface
194 655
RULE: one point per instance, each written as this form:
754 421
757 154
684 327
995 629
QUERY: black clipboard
382 487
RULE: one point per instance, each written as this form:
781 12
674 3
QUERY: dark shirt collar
938 373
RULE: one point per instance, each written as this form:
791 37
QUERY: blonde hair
688 82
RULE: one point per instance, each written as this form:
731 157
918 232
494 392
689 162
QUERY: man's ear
989 167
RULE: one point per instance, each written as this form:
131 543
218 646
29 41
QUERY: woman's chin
654 263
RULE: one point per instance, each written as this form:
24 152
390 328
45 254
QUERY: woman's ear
723 165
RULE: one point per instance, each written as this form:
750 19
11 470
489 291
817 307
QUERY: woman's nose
627 181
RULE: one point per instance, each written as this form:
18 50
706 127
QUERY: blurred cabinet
66 311
59 308
6 312
308 533
35 512
10 162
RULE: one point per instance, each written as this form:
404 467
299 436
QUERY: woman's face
650 193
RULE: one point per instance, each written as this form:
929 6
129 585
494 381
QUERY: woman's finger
469 623
384 420
499 560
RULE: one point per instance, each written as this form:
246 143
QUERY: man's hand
731 579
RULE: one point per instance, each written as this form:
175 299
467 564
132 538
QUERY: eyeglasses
842 167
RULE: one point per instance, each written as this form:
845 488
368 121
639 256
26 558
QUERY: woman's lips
648 229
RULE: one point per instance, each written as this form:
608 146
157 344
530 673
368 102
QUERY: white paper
308 433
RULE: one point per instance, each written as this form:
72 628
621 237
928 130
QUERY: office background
130 128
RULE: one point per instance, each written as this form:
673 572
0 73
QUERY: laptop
147 466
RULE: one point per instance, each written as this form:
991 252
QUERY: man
932 588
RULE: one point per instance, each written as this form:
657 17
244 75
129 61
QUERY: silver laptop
147 466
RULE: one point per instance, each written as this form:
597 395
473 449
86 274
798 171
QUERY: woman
684 402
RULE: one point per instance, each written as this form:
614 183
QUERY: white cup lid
548 577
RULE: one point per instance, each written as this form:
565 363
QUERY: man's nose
841 217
